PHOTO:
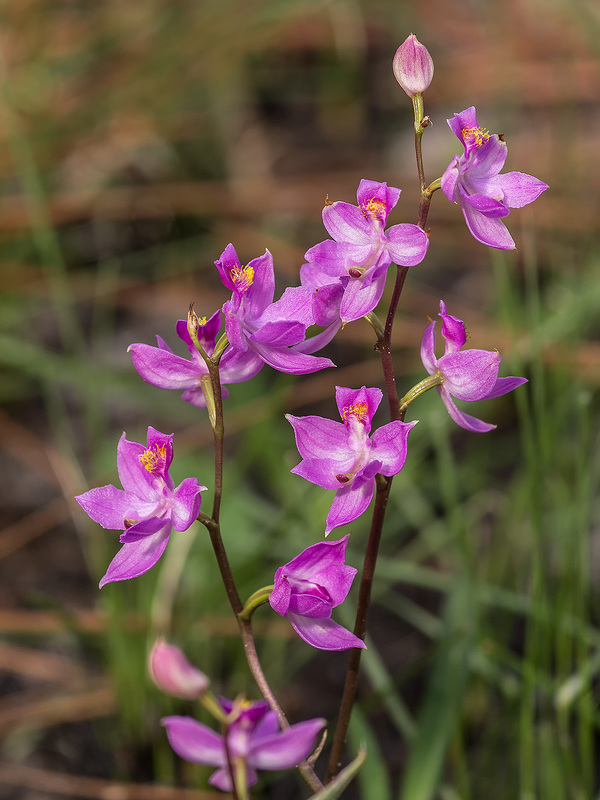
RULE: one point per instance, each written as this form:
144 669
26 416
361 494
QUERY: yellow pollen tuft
478 135
374 207
358 410
202 320
242 277
153 459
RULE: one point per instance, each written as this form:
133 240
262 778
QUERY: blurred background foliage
138 139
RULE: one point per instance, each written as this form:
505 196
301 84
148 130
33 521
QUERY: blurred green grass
139 139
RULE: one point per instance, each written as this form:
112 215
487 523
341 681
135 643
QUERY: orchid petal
325 634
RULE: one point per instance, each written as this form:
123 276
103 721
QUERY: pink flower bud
413 66
172 672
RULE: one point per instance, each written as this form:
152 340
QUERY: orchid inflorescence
342 280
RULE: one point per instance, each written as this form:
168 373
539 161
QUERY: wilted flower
413 66
349 270
254 323
161 367
252 741
473 180
172 672
342 455
467 375
306 590
147 507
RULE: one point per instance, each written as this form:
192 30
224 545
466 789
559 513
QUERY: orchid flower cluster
342 281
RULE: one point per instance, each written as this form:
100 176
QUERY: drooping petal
194 741
361 297
287 748
290 361
465 421
350 502
185 505
135 558
487 205
280 333
324 471
143 529
307 604
487 230
325 634
108 506
237 367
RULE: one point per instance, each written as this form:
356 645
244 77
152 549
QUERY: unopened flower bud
413 66
172 672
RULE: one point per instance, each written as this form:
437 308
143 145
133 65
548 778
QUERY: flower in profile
146 509
413 66
342 455
252 741
161 367
467 375
473 181
306 590
359 253
259 327
172 672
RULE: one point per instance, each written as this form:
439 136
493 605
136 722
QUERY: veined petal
389 444
350 502
287 748
487 230
361 297
310 605
465 421
470 374
260 294
290 361
280 333
325 634
185 505
450 179
318 437
134 477
135 558
321 554
428 349
195 742
407 244
294 305
163 368
347 223
487 160
487 205
504 385
237 366
323 471
520 189
337 580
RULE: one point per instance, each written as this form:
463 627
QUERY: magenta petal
520 189
164 369
347 399
361 297
325 634
290 361
504 385
194 742
487 230
310 605
321 555
323 471
428 349
453 330
349 503
135 558
450 179
134 478
108 506
347 223
186 504
280 333
470 374
279 599
486 205
337 579
389 444
407 244
464 119
465 421
317 437
142 529
286 748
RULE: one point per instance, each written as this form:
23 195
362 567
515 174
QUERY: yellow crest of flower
153 458
477 135
359 411
242 277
